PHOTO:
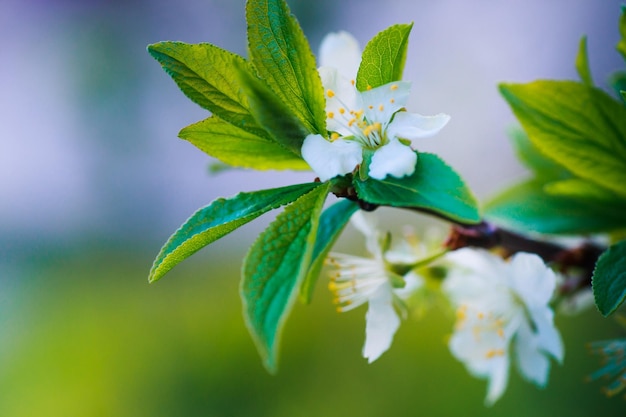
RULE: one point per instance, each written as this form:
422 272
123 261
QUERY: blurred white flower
372 121
358 280
502 310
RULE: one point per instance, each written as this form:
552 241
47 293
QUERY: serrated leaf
274 268
609 279
580 127
434 186
204 73
239 148
526 207
282 56
542 166
271 113
383 58
582 62
218 219
332 222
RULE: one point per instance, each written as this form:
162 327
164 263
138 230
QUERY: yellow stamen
381 108
334 136
369 87
330 114
330 93
392 101
352 82
394 87
342 110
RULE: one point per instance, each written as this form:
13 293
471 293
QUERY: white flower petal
532 363
342 95
412 126
329 159
367 223
381 324
532 279
395 159
341 50
548 337
498 380
380 103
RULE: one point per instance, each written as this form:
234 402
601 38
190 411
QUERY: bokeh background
93 180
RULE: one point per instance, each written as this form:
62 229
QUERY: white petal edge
498 380
395 159
532 363
381 324
341 50
413 126
330 159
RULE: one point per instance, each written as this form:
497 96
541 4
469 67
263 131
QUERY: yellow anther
352 82
481 315
330 114
381 107
394 87
330 93
351 122
334 136
369 87
342 110
493 353
359 113
392 100
501 332
370 107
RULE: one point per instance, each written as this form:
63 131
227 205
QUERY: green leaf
218 219
526 207
580 127
383 58
542 166
582 62
272 113
332 222
274 269
236 147
621 46
434 186
609 279
584 190
282 56
617 80
204 73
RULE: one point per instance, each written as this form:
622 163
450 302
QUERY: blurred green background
93 181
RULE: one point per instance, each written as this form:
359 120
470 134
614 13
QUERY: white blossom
372 121
503 313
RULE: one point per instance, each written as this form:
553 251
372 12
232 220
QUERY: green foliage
434 186
218 219
270 112
204 73
617 80
609 279
384 57
282 57
582 63
621 46
542 166
527 207
274 269
239 148
331 224
578 126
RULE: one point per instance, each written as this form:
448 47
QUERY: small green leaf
582 62
621 46
282 56
239 148
218 219
542 166
383 58
609 279
526 207
332 222
272 113
434 186
274 268
204 73
580 127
